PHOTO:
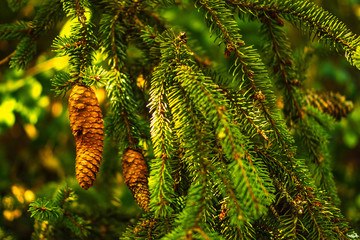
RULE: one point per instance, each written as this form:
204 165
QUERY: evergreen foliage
54 214
241 154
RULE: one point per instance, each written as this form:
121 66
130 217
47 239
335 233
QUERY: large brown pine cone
87 126
136 175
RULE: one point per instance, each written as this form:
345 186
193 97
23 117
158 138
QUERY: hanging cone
331 103
136 175
86 122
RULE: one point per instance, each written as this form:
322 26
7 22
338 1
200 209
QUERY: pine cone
331 103
136 175
86 122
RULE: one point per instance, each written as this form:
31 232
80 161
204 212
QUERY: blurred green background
37 150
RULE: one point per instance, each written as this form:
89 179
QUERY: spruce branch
226 133
282 69
305 13
29 32
244 107
62 82
82 228
283 63
113 39
247 62
55 212
195 155
160 178
232 97
23 53
80 44
16 30
291 193
113 42
95 76
193 212
66 45
80 13
123 116
194 83
42 209
63 196
114 45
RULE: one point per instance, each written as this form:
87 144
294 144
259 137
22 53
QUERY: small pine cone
86 122
331 103
136 175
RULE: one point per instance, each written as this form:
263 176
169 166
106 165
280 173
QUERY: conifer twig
76 223
299 15
259 131
80 13
281 61
113 41
232 44
236 154
116 67
7 58
65 196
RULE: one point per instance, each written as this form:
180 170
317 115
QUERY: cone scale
87 126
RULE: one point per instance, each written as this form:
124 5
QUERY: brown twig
7 58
